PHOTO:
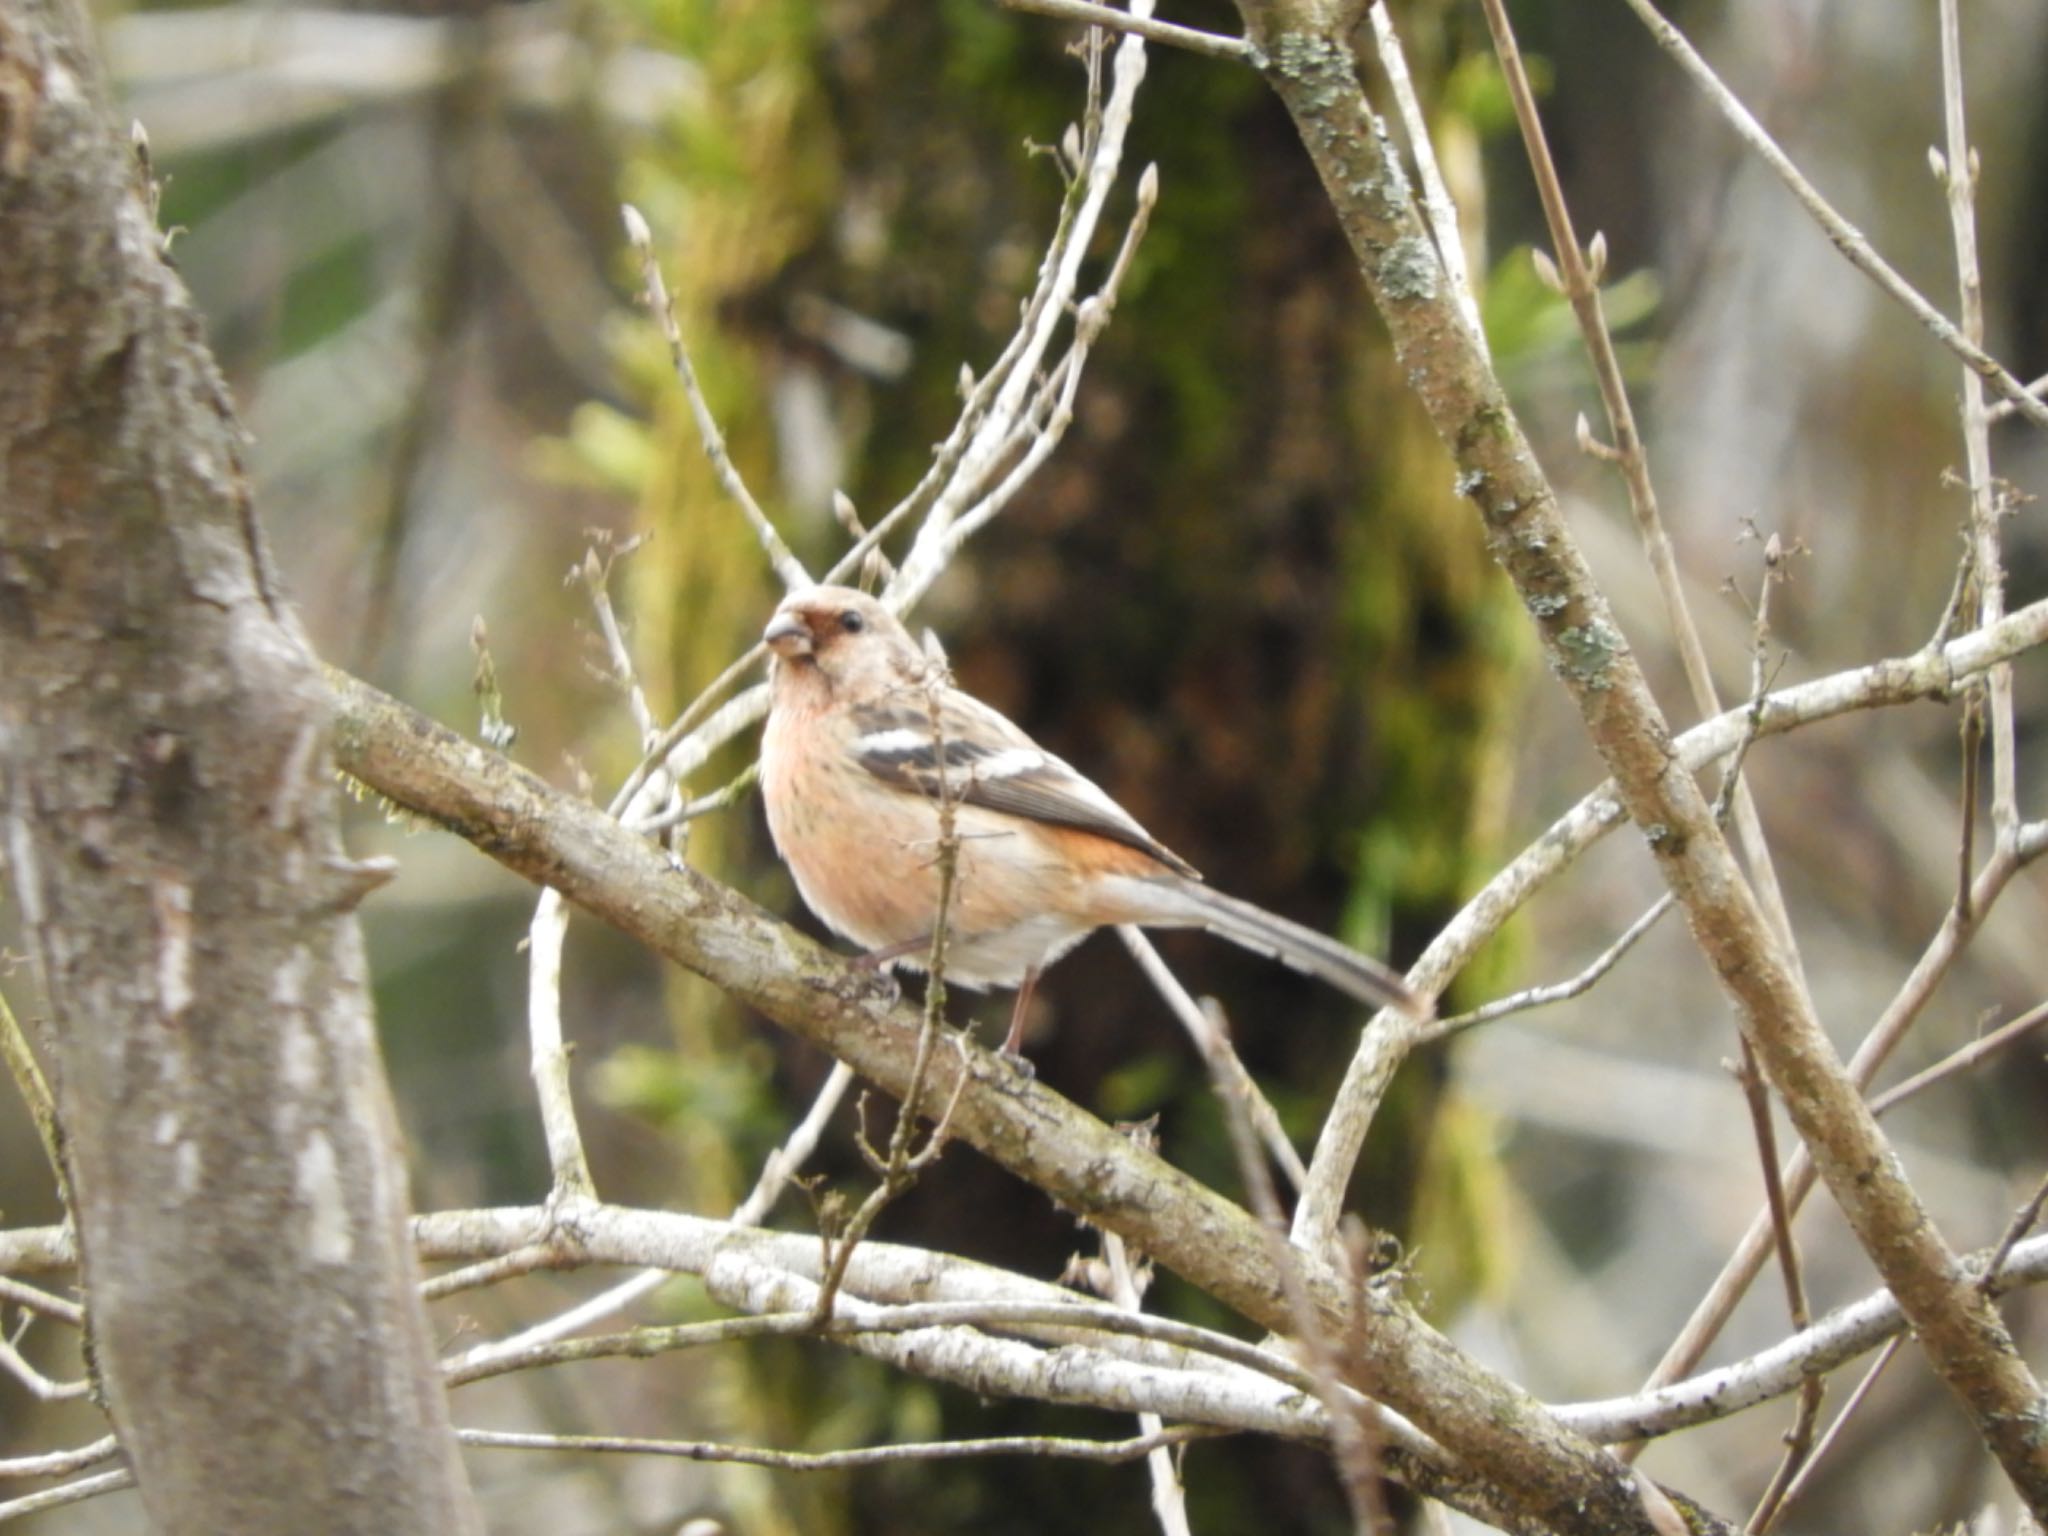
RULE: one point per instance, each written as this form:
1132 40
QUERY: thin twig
596 574
675 753
905 1160
1930 673
1127 1282
1044 419
729 794
1112 1452
1799 1438
780 1166
1101 156
35 1091
1437 202
1962 1060
36 1300
545 935
786 565
1556 992
1845 237
42 1387
1212 44
61 1463
1581 274
2005 408
71 1493
506 1266
2021 1224
1353 1442
1218 1051
1971 730
1718 1305
1958 170
1827 1441
876 567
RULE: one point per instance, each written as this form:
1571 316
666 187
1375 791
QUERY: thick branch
1500 1432
172 840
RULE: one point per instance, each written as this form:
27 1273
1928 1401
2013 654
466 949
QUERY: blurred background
1243 596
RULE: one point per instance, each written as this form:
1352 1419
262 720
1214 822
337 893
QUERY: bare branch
786 565
596 576
1111 1452
1127 1291
1857 1398
545 936
2005 408
2021 1224
1931 673
1956 930
1556 992
1211 44
39 1386
1581 284
1059 277
782 1164
1829 1344
1436 196
495 1271
1962 1060
676 910
1844 236
71 1493
1960 1334
1798 1439
1353 1446
1959 174
35 1092
30 1299
1217 1050
61 1463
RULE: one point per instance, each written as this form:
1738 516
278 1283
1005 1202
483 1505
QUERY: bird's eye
853 623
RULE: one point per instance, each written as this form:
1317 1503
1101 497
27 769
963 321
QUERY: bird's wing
987 761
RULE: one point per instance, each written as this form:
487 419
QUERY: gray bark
171 838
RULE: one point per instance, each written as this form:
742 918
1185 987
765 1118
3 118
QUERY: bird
867 738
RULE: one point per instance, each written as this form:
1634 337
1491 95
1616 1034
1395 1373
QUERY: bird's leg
1014 1041
888 954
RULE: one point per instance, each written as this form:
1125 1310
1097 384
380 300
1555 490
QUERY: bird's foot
881 981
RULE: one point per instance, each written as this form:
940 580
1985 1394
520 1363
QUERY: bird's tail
1190 904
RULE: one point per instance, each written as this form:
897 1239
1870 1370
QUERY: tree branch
1963 1337
1844 236
1497 1429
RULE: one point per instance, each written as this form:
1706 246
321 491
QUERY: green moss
1409 271
1587 653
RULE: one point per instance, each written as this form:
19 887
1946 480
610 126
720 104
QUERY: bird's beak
787 635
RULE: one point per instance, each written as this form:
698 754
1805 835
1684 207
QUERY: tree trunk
172 843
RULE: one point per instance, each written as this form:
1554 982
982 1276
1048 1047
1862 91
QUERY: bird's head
843 638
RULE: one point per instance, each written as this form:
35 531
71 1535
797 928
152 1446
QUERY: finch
865 737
